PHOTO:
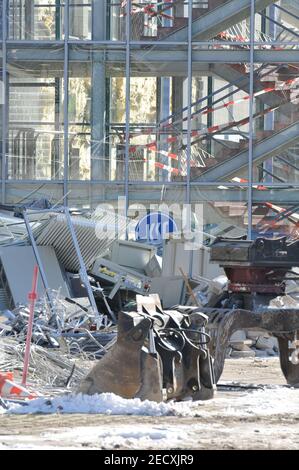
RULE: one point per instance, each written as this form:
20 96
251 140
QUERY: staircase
275 91
281 140
219 20
209 21
266 145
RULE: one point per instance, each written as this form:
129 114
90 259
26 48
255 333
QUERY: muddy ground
237 418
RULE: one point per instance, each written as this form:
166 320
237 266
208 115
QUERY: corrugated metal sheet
95 235
4 302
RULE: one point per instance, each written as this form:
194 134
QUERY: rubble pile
62 344
252 343
68 328
50 371
58 339
158 327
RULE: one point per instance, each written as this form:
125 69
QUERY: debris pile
69 327
50 372
61 340
89 277
252 343
150 322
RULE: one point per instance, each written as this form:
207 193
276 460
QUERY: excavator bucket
120 370
159 355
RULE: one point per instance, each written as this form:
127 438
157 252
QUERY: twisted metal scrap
48 370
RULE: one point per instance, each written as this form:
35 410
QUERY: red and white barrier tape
152 146
150 10
216 128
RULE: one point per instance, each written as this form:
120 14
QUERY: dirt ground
238 418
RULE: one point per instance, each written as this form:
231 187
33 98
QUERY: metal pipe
32 298
38 260
83 272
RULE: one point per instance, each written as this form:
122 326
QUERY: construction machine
159 355
258 272
180 353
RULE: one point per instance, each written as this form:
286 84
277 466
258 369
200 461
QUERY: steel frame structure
124 51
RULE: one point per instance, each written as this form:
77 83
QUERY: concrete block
238 336
265 343
241 346
259 352
270 352
242 354
254 334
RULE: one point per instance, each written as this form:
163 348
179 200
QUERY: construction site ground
236 419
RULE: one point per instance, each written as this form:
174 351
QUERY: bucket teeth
151 381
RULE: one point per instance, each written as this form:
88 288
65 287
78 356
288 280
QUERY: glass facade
187 101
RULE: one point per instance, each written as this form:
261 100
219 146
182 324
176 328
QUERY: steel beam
218 19
155 62
267 148
66 105
5 102
98 92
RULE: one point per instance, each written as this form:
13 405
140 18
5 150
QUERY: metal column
98 94
5 102
128 93
251 122
189 100
29 20
66 103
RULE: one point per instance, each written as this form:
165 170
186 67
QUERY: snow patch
271 401
123 435
267 402
106 403
274 401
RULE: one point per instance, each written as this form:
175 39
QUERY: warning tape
234 37
216 128
266 90
247 97
152 146
168 168
150 10
281 210
230 124
282 214
213 129
236 179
